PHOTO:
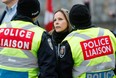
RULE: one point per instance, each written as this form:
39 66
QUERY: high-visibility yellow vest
93 51
19 44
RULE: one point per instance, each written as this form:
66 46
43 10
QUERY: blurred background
103 11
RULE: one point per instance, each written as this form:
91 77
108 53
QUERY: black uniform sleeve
65 61
47 58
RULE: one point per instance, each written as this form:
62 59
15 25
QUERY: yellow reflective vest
93 52
19 43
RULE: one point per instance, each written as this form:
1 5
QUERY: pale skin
9 3
60 23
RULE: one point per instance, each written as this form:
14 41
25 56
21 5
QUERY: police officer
26 50
89 51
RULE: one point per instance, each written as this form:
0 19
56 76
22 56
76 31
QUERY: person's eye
60 19
54 20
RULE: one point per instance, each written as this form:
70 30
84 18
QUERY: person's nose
56 22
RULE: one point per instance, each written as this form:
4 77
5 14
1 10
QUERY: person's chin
58 30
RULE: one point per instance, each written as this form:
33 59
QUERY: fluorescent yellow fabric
18 53
76 49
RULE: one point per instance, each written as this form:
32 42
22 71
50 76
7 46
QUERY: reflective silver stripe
29 26
84 68
29 54
79 35
82 36
18 62
84 65
11 61
101 32
8 25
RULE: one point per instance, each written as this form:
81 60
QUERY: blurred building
103 11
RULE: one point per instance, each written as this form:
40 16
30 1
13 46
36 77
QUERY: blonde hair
65 12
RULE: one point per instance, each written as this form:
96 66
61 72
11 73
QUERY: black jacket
57 39
2 16
46 59
58 36
65 62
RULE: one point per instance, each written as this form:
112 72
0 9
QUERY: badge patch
62 51
16 38
96 47
50 43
